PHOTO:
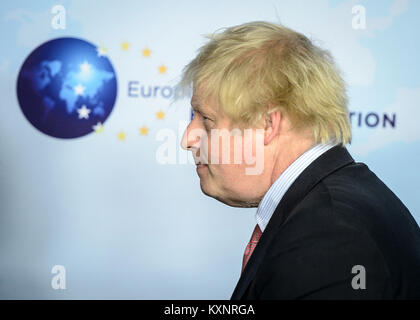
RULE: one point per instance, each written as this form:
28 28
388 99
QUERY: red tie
251 245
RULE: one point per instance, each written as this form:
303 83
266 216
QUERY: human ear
272 126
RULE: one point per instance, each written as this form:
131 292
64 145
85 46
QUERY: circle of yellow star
146 52
121 135
101 51
98 128
160 114
144 130
162 69
125 46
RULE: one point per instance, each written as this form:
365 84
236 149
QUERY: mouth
200 165
198 162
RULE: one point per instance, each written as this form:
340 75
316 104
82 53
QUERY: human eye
208 122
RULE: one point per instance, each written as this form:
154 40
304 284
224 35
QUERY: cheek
227 150
232 150
239 149
205 146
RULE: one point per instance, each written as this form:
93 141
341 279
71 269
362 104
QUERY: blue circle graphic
66 87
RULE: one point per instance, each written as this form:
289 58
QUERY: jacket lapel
332 160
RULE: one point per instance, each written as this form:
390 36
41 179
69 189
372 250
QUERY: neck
287 153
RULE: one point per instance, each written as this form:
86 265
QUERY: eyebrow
194 104
196 108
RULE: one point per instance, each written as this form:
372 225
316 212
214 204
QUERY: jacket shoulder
348 219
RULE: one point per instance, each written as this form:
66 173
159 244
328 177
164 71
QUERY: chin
205 190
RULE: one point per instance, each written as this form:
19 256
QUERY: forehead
203 104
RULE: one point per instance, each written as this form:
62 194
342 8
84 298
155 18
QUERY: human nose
190 138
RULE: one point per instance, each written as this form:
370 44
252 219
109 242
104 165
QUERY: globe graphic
67 88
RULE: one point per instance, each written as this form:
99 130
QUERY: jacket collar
332 160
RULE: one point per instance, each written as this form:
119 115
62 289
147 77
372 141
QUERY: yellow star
144 130
125 46
162 69
146 52
98 127
101 51
121 135
160 114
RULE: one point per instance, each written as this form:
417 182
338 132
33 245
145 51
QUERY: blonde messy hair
258 67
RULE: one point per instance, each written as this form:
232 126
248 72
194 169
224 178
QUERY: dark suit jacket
336 215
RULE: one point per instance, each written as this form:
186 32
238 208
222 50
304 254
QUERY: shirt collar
277 190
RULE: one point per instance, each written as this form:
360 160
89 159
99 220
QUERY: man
327 227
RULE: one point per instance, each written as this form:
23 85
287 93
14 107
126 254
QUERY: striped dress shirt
277 190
